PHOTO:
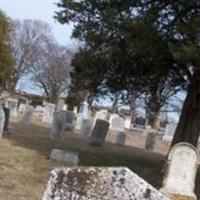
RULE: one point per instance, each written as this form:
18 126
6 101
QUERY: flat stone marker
93 183
99 133
179 180
67 157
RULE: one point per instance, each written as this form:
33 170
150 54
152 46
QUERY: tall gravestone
169 132
58 125
99 133
113 183
12 104
7 119
48 113
86 128
84 109
2 121
27 116
179 179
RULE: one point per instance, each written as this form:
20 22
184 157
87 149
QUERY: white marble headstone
169 132
118 124
12 104
183 160
27 116
48 113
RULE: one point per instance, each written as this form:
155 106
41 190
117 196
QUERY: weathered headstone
27 116
69 120
12 104
68 158
7 119
99 133
58 125
78 121
118 124
179 180
169 132
102 114
113 183
60 104
112 116
151 140
84 109
2 121
86 128
22 108
128 122
48 113
120 138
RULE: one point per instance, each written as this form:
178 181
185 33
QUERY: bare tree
51 72
27 39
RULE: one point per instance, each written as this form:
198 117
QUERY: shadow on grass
145 164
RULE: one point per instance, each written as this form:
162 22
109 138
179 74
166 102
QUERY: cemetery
111 113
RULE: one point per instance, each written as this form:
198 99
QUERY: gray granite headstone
86 128
58 125
99 133
113 183
2 121
120 138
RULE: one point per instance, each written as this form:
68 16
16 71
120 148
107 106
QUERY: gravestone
118 124
151 140
69 120
127 122
182 165
22 108
48 113
102 114
60 104
68 158
98 183
99 133
2 121
27 116
86 128
58 125
120 138
38 111
84 109
12 104
78 122
169 132
112 116
7 119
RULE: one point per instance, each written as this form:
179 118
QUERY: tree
27 40
6 60
51 71
143 39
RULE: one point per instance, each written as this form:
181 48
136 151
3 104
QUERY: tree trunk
189 123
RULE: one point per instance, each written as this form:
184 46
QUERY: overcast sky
41 10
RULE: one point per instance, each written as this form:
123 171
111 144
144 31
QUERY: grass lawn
24 163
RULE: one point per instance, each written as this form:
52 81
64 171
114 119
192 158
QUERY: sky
43 10
39 10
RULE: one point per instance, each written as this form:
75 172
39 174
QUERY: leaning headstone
48 113
118 124
58 125
169 132
98 183
86 128
179 179
68 158
27 116
120 138
7 119
12 104
2 121
151 140
99 133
